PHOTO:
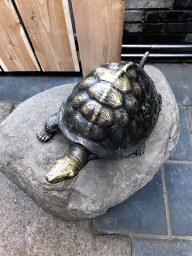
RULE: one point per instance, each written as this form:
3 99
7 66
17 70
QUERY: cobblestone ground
156 220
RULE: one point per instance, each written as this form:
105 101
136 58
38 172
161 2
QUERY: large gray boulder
102 183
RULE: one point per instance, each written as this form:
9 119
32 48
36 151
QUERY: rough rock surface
102 183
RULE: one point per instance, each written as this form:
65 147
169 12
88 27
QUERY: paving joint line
178 162
45 86
165 193
132 236
184 105
132 246
188 115
162 237
96 232
189 121
11 102
12 108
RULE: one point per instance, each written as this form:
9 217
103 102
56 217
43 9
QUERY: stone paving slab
20 88
189 111
179 187
27 230
180 80
183 149
16 88
130 216
53 81
142 213
5 110
149 247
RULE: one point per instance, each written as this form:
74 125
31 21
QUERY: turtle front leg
70 165
51 127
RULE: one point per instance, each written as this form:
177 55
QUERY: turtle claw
44 136
141 150
58 176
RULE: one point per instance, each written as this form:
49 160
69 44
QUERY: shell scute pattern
88 129
137 90
132 72
79 99
106 117
107 75
113 110
123 84
96 113
106 94
87 82
121 117
91 109
131 103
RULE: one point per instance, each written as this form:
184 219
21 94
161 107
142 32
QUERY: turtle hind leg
70 165
51 127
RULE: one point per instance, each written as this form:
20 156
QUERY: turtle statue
109 114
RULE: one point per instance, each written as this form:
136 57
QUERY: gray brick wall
157 21
130 4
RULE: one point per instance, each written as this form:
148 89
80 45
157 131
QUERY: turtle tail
143 60
69 166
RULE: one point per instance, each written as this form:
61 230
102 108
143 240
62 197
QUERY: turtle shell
112 111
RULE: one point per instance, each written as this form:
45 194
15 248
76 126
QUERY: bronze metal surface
87 82
109 114
106 94
69 166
